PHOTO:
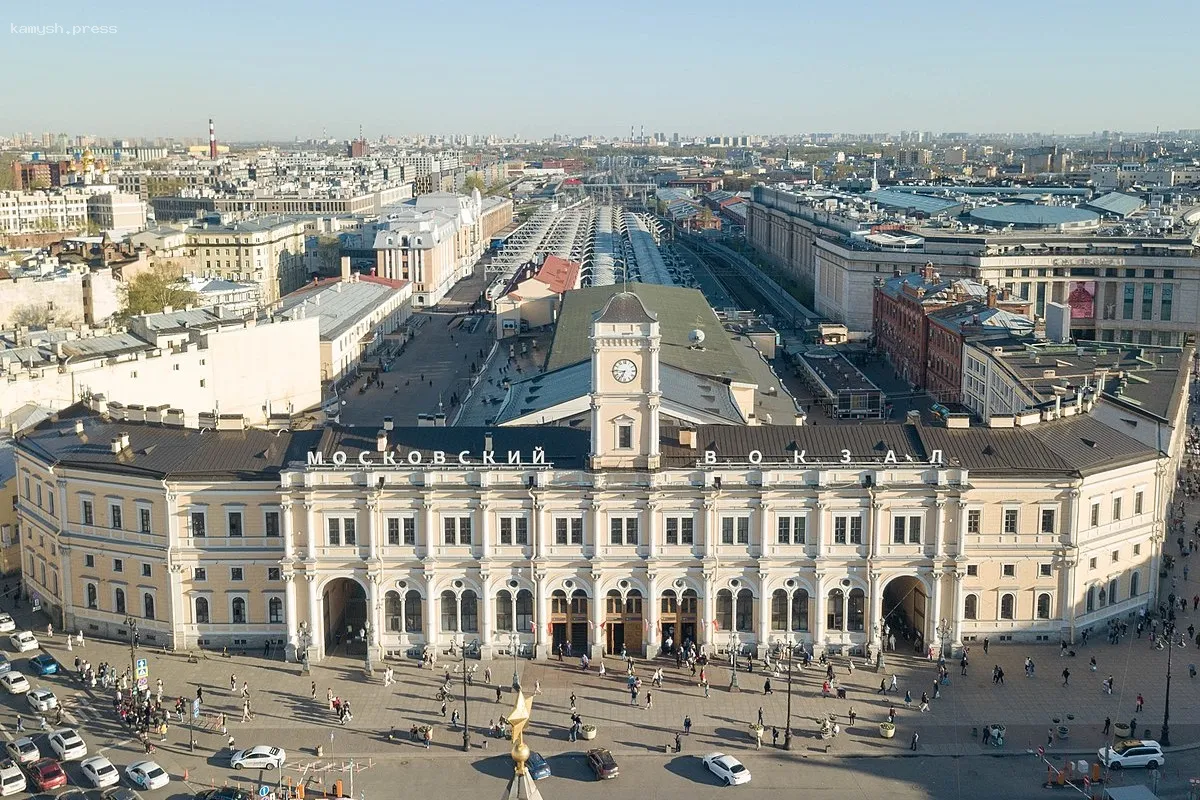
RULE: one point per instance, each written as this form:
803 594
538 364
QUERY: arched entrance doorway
623 622
679 613
569 621
344 601
904 611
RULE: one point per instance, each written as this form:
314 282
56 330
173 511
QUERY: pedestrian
853 715
774 736
986 642
1107 725
767 686
1049 737
572 702
687 725
499 694
895 685
454 719
313 691
649 700
200 694
1140 701
245 689
20 724
760 715
1066 673
882 686
537 687
705 684
963 664
49 630
987 735
232 683
924 702
758 732
907 697
678 744
915 737
443 712
428 737
487 675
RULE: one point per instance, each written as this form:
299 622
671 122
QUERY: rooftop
339 304
1032 215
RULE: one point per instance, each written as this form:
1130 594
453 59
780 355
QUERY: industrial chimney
212 139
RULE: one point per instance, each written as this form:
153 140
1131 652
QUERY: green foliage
154 289
474 181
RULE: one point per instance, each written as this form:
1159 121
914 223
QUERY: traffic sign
141 668
263 791
196 708
1041 751
143 683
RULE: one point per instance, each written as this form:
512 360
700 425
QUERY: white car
67 745
147 775
260 757
41 700
1133 753
23 641
6 623
12 780
23 750
727 768
14 683
100 772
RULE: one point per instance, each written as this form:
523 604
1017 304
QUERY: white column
316 627
960 548
875 622
710 533
485 529
818 624
539 531
935 619
430 528
310 522
373 526
541 620
708 609
939 519
289 609
286 527
432 620
596 618
764 614
487 618
955 615
819 527
373 649
651 615
652 529
765 513
876 527
595 526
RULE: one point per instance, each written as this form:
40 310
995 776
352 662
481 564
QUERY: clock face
624 370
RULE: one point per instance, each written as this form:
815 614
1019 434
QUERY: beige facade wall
274 259
10 549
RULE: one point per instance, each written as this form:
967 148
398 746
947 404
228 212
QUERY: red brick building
951 327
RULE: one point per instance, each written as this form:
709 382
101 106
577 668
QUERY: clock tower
625 385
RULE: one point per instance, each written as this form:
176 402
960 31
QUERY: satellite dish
696 337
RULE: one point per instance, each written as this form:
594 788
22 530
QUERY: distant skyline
276 70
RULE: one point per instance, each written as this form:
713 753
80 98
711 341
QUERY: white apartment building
43 211
115 211
268 251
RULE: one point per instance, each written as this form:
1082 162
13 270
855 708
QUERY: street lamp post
466 713
1164 738
369 668
787 731
132 625
514 642
735 642
944 630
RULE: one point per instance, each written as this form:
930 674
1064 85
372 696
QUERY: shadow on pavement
691 768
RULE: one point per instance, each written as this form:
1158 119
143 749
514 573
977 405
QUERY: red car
46 774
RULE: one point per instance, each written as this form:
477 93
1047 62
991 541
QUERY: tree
32 315
159 186
474 181
329 250
660 207
151 291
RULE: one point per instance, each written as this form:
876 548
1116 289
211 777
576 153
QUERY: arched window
238 607
669 605
558 602
800 610
1135 580
449 612
504 610
470 611
725 610
579 604
971 607
275 610
148 605
1113 594
836 615
392 612
689 602
779 610
1090 601
1103 597
92 596
745 611
633 603
119 600
613 603
202 610
525 611
856 610
414 616
1008 605
1043 606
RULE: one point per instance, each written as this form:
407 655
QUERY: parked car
41 700
100 772
259 757
122 793
23 641
727 768
5 664
46 774
223 793
537 766
603 765
23 750
1133 753
67 744
14 683
147 775
12 780
44 664
7 625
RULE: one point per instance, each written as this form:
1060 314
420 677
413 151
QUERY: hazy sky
268 69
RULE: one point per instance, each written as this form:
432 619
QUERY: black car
119 793
603 764
223 793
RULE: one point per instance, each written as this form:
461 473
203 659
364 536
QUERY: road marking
121 743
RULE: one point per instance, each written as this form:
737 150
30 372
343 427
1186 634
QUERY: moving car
45 664
41 700
22 750
23 641
14 683
5 664
727 768
602 763
147 775
100 772
1133 753
537 766
12 780
46 774
259 757
67 744
7 625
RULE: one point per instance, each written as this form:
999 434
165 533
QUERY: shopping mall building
626 525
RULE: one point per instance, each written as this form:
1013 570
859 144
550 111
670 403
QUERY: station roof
931 206
1032 215
1117 204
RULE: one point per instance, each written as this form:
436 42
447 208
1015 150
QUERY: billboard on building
1082 299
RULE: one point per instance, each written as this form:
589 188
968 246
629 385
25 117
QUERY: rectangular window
118 565
568 530
1137 549
1116 556
199 574
1009 570
114 516
1010 520
1116 509
623 530
233 521
144 520
145 570
1045 570
334 526
898 526
197 523
393 530
1168 297
1138 499
680 530
1147 301
456 530
88 513
972 570
974 516
856 529
1127 301
273 573
792 530
624 437
735 530
50 500
914 530
235 573
514 530
1048 520
1095 514
39 495
271 523
1091 563
840 524
89 560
